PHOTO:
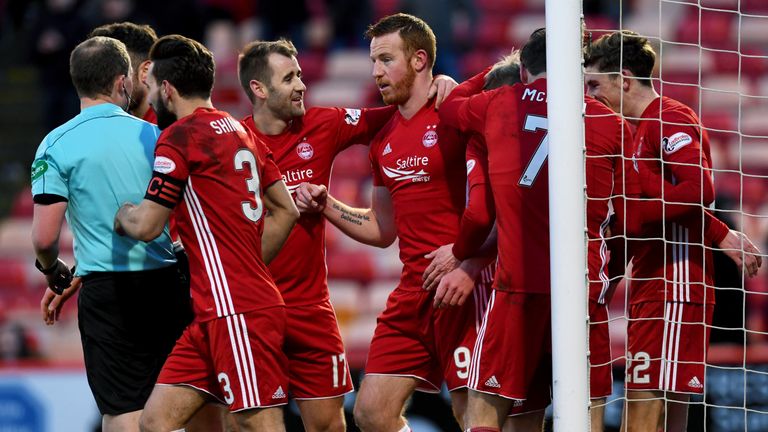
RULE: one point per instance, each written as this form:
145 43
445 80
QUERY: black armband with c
165 190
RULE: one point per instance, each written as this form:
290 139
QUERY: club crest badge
305 150
430 136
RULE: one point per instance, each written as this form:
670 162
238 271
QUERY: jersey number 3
242 157
534 123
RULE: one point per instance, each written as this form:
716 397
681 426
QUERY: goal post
568 261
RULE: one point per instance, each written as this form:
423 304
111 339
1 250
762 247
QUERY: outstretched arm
374 226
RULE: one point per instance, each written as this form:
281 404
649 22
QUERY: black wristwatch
49 270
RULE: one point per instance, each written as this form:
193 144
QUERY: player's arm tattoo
351 216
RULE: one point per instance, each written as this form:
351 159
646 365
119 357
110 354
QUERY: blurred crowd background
714 58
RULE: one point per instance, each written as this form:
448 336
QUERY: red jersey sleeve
170 171
480 213
465 107
466 114
680 151
359 126
269 170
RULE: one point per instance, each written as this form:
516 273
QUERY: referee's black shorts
129 322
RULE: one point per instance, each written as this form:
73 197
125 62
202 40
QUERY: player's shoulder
322 115
677 112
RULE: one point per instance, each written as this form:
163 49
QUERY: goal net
712 56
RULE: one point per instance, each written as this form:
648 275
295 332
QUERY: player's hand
51 303
311 198
124 209
441 87
443 262
454 288
739 248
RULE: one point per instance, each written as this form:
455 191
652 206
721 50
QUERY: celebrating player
511 369
222 178
418 197
671 296
305 143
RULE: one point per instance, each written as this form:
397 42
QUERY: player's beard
138 95
400 91
165 117
282 105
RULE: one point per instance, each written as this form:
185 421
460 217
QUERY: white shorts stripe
474 365
251 363
236 356
676 353
243 360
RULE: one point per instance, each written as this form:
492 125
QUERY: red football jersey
305 152
150 116
610 176
224 169
515 135
422 164
480 211
673 160
514 132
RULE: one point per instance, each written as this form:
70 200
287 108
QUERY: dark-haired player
671 297
511 369
138 38
223 181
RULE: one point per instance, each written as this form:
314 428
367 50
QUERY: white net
712 57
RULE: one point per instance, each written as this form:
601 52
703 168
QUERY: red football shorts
317 365
600 374
237 359
413 339
514 351
667 345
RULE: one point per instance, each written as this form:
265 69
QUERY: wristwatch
49 270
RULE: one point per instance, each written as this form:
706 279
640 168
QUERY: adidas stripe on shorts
513 351
666 346
237 359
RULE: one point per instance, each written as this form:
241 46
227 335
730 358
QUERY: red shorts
514 351
317 365
237 359
666 346
434 345
600 373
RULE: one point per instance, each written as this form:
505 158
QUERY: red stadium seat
492 32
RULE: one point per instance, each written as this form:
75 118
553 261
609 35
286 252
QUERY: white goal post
568 261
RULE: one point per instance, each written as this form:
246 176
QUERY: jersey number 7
534 123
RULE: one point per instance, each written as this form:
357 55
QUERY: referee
132 306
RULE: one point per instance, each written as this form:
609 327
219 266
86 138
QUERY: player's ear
259 89
168 93
627 79
419 60
523 75
144 70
